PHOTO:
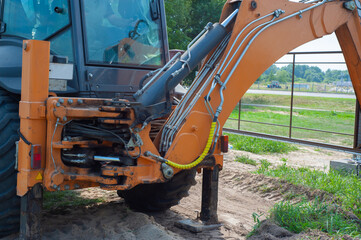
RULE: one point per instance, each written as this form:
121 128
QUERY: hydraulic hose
201 157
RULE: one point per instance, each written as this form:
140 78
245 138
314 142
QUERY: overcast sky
327 43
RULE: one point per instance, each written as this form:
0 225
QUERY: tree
203 12
186 18
314 74
177 12
271 76
283 76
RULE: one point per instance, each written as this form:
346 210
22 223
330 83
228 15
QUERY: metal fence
290 127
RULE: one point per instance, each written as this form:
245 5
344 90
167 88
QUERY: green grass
306 215
53 200
346 188
246 160
259 146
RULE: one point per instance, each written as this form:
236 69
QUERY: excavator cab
111 43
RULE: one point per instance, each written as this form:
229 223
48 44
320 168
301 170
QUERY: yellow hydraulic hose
201 157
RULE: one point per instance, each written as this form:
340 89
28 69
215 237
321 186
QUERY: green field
326 114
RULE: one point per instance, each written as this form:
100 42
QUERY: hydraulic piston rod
187 62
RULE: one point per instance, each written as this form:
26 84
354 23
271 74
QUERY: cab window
41 20
122 32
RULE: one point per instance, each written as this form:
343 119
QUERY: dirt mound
271 231
105 221
274 188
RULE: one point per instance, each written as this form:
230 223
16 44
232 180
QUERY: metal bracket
2 27
217 79
167 171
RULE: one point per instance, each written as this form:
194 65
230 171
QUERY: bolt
90 76
350 5
61 101
253 5
62 171
80 101
25 46
97 86
58 104
70 101
167 171
65 118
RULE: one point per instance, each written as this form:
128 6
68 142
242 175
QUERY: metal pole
210 195
357 136
239 114
292 88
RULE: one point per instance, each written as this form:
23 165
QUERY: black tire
9 201
159 196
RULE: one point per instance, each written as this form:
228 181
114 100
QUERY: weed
256 219
264 165
265 188
246 160
259 146
346 188
54 200
291 195
314 215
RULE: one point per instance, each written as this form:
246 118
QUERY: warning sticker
39 177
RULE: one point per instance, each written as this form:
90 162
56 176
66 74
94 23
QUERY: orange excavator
97 103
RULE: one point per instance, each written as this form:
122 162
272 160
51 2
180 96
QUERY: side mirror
154 9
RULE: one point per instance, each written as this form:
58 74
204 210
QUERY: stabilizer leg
210 195
30 215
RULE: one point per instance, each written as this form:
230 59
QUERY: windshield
122 31
35 19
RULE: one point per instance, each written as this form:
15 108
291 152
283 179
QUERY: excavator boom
263 32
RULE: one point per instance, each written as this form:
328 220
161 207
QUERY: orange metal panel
34 92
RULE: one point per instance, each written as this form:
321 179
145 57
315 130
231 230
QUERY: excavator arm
262 33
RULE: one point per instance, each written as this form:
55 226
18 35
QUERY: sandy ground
239 198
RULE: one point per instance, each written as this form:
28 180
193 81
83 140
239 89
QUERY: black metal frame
290 139
1 10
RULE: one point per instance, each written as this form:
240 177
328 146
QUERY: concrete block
344 165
